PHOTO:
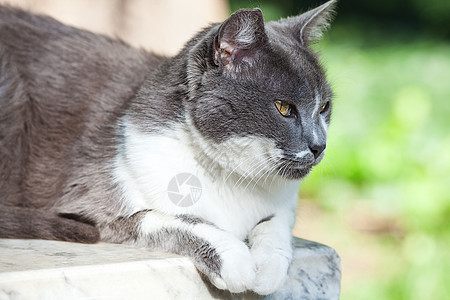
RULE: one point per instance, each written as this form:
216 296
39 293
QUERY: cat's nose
316 150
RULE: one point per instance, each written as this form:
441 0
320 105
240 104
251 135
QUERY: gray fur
266 219
205 257
192 220
171 238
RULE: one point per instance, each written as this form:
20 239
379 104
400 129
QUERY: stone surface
34 269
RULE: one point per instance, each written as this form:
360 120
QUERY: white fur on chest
148 162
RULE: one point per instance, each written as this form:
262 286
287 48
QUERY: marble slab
35 269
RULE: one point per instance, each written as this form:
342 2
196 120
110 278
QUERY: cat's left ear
239 38
308 27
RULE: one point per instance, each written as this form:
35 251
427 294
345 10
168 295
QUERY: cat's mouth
294 169
293 172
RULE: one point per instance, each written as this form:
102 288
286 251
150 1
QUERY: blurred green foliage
389 146
389 141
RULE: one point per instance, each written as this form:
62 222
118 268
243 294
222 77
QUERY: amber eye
283 107
324 107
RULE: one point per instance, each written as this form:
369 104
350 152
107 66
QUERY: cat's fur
92 131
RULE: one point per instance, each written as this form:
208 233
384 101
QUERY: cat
103 142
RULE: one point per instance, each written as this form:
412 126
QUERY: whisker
280 172
331 165
269 162
240 164
257 165
275 166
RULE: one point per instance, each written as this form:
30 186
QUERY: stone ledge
35 269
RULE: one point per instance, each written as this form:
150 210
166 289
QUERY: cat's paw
238 270
271 269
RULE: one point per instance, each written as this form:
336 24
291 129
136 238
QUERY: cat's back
59 88
59 61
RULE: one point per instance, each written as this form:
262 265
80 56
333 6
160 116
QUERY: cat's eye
284 108
324 107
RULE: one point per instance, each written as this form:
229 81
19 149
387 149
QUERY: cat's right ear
238 39
308 27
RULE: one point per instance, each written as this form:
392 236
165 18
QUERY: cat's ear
238 38
309 26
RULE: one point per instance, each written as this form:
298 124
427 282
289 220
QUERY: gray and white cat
92 131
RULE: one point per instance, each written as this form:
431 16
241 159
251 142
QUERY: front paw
225 260
238 270
271 268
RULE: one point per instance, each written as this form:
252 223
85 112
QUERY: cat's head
259 102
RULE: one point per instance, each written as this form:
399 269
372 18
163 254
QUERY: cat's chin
295 173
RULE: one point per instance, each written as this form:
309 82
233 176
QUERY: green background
382 193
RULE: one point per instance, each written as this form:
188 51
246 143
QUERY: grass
382 195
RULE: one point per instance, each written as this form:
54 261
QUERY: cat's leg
224 259
270 243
